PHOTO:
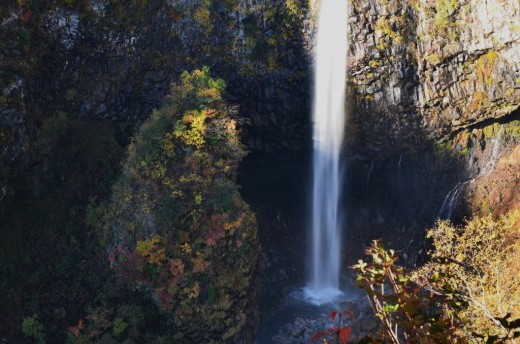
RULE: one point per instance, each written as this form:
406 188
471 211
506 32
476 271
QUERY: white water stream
450 201
329 120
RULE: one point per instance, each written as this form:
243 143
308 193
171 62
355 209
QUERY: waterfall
451 199
329 119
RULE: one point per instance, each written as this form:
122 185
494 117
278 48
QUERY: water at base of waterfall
321 296
297 304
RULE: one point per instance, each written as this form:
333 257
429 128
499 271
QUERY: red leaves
333 315
175 15
345 312
320 334
26 16
342 332
213 236
349 314
176 267
218 222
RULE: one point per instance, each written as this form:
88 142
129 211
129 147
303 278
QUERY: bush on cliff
176 225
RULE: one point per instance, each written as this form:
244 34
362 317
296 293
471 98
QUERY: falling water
450 201
329 119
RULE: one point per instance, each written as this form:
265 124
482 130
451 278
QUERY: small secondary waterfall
451 199
329 119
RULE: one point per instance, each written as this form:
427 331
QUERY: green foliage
119 327
408 312
32 328
443 10
175 222
72 161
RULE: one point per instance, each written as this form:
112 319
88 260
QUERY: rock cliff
423 70
431 85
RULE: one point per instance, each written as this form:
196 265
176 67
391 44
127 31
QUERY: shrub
468 291
478 264
32 328
409 313
175 222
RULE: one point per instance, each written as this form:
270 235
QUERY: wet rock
302 329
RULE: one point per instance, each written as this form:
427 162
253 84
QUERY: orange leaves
188 119
175 15
211 93
230 226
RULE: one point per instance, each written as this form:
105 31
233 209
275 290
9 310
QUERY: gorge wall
424 70
434 85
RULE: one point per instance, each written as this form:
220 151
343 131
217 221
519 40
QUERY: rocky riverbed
302 329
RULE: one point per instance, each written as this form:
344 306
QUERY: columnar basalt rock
423 70
105 60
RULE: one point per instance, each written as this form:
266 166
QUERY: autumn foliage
341 332
176 224
467 292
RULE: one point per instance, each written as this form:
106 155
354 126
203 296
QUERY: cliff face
423 70
428 81
419 70
116 60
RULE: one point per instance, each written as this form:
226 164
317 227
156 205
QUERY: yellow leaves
186 248
202 15
194 291
151 249
194 135
168 145
480 261
199 264
374 63
293 7
176 193
212 93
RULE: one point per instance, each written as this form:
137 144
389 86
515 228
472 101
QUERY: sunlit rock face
422 70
